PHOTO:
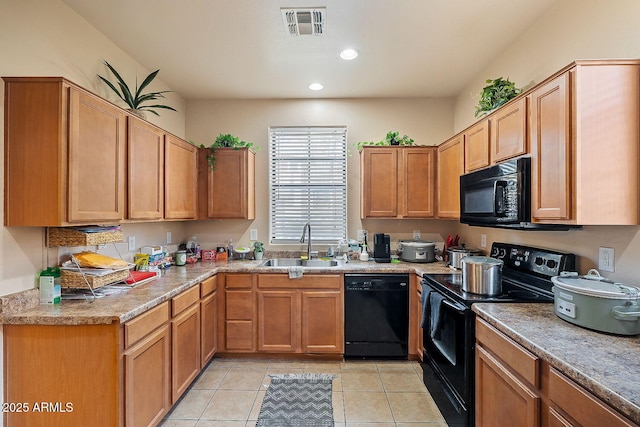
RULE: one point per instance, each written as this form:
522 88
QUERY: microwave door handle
498 197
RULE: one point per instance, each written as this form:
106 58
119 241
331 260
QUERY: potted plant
496 93
392 138
225 141
258 250
135 99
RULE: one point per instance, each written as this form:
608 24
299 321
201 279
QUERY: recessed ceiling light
349 54
316 86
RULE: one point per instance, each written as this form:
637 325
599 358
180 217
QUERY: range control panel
544 262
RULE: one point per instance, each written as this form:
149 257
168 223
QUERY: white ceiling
239 48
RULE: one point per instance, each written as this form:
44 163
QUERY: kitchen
64 44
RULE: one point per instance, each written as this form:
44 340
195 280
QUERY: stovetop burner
526 275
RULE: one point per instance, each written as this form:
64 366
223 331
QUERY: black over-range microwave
500 196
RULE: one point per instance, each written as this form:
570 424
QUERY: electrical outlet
253 234
483 240
606 259
168 237
416 234
361 234
132 243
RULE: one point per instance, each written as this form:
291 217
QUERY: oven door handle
457 307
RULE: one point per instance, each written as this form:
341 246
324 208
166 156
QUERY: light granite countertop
607 365
24 308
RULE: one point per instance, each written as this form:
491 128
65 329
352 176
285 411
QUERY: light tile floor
229 393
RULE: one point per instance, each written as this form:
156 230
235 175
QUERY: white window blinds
308 183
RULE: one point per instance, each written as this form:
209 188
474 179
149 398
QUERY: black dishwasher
376 316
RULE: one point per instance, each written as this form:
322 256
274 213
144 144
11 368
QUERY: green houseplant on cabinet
225 141
136 98
392 138
496 93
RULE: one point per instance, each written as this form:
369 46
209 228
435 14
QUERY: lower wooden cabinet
208 319
514 387
185 341
239 312
416 344
300 315
147 395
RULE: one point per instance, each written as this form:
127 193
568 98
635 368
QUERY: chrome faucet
307 226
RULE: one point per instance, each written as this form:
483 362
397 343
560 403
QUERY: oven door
449 354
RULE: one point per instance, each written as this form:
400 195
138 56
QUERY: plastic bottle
50 292
364 255
230 249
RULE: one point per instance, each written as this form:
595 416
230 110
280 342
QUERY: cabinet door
550 141
379 182
185 350
147 380
450 167
322 322
278 325
508 131
145 150
418 175
180 166
580 405
501 398
209 327
476 146
231 185
97 132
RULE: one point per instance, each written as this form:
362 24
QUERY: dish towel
424 300
435 302
295 272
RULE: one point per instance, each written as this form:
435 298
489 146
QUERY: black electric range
449 371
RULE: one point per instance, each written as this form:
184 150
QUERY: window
308 183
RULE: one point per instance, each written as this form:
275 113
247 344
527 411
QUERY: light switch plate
168 237
483 240
132 243
253 234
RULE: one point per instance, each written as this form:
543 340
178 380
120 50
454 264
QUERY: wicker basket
74 279
70 237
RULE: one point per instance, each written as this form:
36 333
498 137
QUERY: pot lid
462 249
416 243
596 285
485 260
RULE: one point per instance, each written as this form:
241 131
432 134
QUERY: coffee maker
381 247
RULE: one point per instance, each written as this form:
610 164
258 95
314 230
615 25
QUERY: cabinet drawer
520 360
184 300
239 281
580 405
142 325
239 305
208 286
324 281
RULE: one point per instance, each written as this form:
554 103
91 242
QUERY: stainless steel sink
294 262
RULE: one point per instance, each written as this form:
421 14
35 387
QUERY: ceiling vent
303 22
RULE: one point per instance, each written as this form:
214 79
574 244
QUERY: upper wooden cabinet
584 135
397 182
476 146
64 155
180 178
508 133
145 185
228 191
450 167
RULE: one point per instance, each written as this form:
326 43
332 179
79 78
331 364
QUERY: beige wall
46 38
572 29
427 121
